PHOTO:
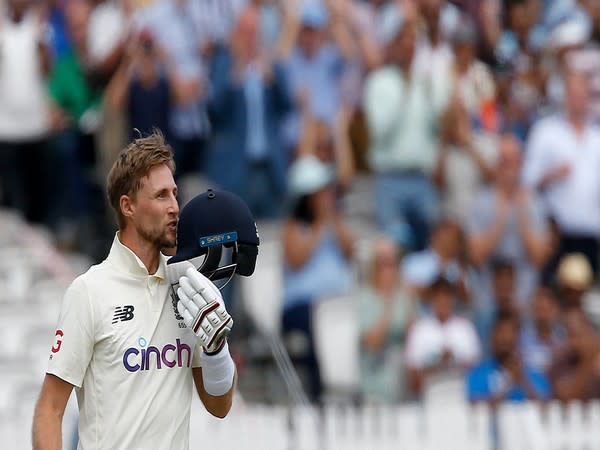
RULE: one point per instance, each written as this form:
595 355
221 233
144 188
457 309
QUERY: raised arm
290 28
299 245
536 241
49 411
339 28
343 148
118 88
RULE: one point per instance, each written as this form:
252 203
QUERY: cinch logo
170 355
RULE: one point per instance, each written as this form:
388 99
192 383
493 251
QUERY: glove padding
203 310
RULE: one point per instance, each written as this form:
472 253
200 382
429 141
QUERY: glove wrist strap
218 371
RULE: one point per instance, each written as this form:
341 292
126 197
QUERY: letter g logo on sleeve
56 347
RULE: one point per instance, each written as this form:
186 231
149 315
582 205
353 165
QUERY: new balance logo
123 313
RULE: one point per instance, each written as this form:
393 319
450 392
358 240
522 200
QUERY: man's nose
174 208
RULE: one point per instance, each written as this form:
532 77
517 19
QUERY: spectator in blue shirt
505 376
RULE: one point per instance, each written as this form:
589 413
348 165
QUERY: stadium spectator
175 28
474 84
403 147
443 257
507 222
523 34
24 115
465 161
106 35
141 88
441 341
385 310
505 376
434 57
145 87
249 98
315 64
562 153
567 48
367 19
542 335
501 302
330 144
575 373
317 247
76 94
215 21
574 279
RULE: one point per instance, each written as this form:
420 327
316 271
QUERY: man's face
509 161
430 9
464 53
504 286
310 39
402 47
19 7
155 208
447 240
442 302
577 93
78 14
504 340
544 307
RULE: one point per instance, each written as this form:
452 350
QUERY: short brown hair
133 164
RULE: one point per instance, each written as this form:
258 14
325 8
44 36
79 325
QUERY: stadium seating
262 291
335 328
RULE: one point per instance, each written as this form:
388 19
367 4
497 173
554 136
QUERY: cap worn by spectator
574 271
308 175
572 33
315 15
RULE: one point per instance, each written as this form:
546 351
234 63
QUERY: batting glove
203 310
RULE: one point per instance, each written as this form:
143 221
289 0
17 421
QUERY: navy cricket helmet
210 222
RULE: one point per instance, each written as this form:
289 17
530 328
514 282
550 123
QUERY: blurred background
424 174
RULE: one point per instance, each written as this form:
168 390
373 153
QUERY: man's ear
126 205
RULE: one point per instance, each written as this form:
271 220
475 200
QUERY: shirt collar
126 260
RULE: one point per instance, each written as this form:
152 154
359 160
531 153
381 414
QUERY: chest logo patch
123 313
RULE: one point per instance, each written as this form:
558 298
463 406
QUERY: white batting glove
203 310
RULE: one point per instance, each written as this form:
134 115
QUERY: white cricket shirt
120 343
429 338
573 201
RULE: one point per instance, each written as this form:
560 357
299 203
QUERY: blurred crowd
477 122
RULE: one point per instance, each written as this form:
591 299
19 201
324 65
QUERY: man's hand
203 311
558 173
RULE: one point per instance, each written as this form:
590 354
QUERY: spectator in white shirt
442 341
24 112
562 162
